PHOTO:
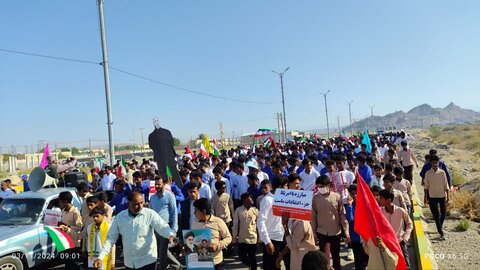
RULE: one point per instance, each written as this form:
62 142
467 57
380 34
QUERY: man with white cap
253 168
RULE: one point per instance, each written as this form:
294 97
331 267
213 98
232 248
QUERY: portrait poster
197 245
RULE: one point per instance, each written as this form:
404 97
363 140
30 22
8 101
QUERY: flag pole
383 259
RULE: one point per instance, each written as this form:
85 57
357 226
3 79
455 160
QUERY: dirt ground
460 249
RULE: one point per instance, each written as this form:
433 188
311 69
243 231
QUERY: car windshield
20 211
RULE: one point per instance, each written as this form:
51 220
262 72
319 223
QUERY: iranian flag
60 238
269 141
99 163
263 132
203 151
216 152
122 169
188 151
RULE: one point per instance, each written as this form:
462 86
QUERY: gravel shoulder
460 250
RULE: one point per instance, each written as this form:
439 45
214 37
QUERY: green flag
169 173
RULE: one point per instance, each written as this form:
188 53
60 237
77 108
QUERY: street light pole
350 113
107 83
371 116
326 111
280 74
143 142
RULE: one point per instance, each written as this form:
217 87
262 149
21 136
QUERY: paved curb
423 248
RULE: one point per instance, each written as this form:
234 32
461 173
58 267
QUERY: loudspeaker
72 179
39 179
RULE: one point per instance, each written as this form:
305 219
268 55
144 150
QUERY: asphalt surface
234 263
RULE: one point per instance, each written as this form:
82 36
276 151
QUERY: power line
138 76
51 57
190 91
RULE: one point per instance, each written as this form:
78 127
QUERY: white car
24 243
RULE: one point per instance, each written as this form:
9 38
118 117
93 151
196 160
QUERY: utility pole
350 114
280 74
107 83
285 131
278 125
90 147
283 138
326 111
143 142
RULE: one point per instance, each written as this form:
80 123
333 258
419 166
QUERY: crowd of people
232 195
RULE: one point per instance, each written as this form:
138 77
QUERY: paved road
234 263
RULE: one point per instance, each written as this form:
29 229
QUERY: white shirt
341 178
308 180
376 181
5 193
239 185
139 244
261 176
269 226
205 191
107 181
97 245
407 138
227 184
319 167
382 150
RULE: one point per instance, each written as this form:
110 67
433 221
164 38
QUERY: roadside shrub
464 201
457 178
435 132
463 225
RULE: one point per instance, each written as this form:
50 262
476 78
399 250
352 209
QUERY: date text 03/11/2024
50 256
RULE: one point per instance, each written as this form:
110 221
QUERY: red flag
370 222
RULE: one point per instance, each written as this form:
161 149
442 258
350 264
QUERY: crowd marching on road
231 193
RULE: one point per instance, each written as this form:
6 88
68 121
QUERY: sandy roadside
460 250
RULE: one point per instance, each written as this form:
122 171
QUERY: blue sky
391 54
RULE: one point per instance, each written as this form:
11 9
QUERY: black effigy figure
161 142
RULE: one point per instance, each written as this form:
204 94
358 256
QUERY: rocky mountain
421 116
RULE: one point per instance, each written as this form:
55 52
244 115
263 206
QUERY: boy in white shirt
308 176
377 177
